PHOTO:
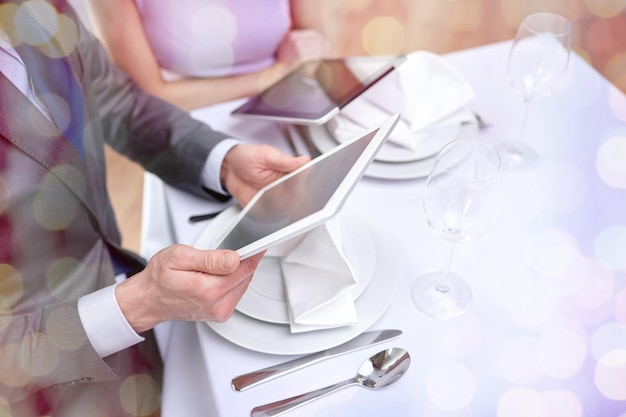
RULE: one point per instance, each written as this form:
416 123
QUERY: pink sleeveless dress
213 38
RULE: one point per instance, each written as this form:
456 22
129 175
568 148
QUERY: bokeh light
606 8
522 402
11 287
598 286
610 375
561 352
556 251
610 247
608 337
620 307
44 14
383 35
451 386
611 162
56 278
139 395
42 356
563 404
55 205
59 333
11 373
7 20
516 360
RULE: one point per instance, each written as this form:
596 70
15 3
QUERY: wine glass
461 199
537 61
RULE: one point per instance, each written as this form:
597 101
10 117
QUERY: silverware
481 123
292 145
382 369
365 339
303 133
202 217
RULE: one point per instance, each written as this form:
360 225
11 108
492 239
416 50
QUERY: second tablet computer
304 198
316 91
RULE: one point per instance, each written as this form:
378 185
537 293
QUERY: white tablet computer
315 92
304 198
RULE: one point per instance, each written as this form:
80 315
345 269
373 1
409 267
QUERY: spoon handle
279 407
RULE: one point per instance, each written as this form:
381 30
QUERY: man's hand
183 283
247 168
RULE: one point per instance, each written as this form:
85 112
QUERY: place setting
432 98
316 291
327 274
322 288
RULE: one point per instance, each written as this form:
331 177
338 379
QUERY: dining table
545 333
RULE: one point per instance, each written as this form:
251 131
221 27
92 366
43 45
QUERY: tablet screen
316 90
297 197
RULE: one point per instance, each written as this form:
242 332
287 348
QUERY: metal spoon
382 369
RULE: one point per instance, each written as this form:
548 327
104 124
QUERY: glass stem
522 127
443 286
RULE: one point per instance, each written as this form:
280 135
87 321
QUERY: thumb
216 262
283 163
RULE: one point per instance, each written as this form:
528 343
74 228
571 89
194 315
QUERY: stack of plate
261 321
393 161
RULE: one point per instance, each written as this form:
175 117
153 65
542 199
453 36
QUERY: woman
194 53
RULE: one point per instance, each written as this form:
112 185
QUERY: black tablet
304 198
316 91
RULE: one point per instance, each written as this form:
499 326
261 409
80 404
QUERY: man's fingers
280 162
217 262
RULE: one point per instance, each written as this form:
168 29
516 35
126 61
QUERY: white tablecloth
546 332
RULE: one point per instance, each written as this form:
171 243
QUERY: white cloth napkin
424 89
318 279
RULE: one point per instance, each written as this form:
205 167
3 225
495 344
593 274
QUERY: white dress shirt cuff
106 327
213 165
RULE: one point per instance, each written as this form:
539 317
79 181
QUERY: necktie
59 91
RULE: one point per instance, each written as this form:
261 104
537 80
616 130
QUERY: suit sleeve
162 138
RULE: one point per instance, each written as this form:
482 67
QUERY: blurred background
371 27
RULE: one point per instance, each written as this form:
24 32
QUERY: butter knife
363 340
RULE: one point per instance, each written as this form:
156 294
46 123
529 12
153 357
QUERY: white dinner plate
265 297
322 139
274 338
430 142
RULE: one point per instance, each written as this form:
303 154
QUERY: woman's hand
302 45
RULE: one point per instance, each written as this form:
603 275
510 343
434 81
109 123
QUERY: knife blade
245 381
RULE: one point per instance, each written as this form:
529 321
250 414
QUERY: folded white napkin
318 279
424 89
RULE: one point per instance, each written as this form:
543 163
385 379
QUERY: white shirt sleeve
211 171
106 327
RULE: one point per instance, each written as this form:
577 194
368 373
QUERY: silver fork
481 123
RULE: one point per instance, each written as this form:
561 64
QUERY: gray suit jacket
57 230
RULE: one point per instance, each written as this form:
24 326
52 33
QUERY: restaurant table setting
431 118
545 331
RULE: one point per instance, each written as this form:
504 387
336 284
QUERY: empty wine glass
461 199
537 61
